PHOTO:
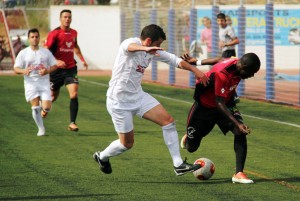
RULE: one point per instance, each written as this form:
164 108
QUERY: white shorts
122 113
37 89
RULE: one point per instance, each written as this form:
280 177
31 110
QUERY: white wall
98 30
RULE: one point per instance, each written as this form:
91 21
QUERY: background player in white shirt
126 98
35 63
227 37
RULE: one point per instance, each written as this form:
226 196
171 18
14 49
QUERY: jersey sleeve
51 59
168 58
51 39
20 62
125 44
231 33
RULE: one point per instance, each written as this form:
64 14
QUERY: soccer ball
207 169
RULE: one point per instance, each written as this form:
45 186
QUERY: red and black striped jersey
223 82
61 43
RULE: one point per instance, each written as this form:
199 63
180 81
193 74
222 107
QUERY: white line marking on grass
280 122
188 102
95 83
283 183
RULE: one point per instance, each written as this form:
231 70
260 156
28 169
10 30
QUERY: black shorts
201 120
228 53
62 77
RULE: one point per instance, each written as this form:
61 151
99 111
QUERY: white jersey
226 35
128 71
35 60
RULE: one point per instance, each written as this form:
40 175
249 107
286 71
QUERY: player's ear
148 41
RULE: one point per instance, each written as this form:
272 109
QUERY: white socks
115 148
171 140
36 114
170 137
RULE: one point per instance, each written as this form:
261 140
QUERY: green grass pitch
60 166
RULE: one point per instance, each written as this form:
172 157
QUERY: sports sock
73 109
36 114
115 148
240 148
171 140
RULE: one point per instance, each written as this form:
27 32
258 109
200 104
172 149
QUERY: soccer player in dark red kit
214 104
62 42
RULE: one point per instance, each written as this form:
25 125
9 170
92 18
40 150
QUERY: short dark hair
221 16
33 30
251 62
154 32
65 11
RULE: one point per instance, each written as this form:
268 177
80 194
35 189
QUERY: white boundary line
188 102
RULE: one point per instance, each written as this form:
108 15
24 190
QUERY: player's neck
34 47
65 28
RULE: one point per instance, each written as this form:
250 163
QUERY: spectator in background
185 33
228 20
206 35
17 45
227 37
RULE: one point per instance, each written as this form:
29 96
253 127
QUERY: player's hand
27 71
43 71
202 77
61 64
221 44
85 65
189 59
244 129
152 50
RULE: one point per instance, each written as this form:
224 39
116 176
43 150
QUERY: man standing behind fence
227 37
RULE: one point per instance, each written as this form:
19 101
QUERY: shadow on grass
56 197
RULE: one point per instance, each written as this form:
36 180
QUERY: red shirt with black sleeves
223 82
61 43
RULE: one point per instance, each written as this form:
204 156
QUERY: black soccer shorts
201 121
62 77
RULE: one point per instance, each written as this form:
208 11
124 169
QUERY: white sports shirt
128 71
226 35
35 60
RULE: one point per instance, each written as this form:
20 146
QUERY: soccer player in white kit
35 63
126 98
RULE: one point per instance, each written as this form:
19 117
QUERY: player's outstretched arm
133 47
195 61
198 74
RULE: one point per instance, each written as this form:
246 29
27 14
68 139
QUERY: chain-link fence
269 28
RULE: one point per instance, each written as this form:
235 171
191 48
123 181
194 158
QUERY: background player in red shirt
62 42
214 104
